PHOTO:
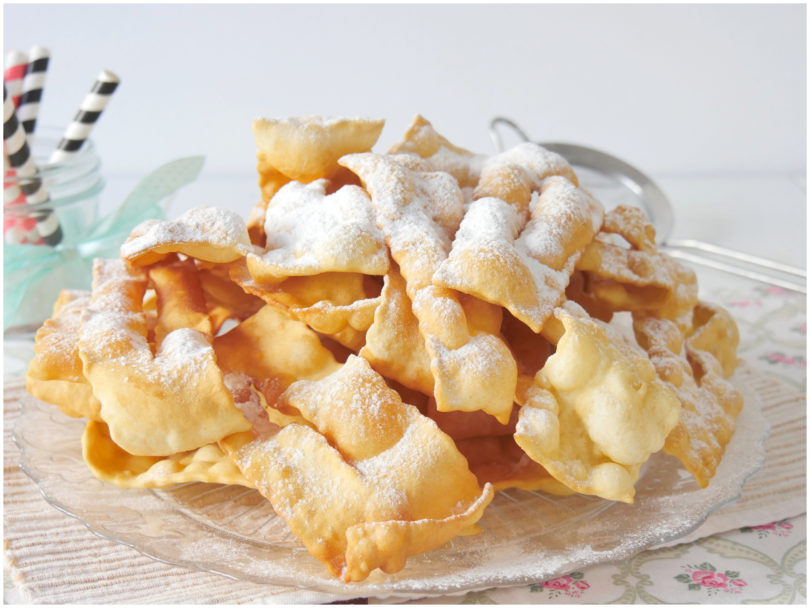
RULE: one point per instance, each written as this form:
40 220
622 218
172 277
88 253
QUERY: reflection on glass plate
526 536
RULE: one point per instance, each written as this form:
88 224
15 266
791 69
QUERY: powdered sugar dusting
538 162
214 226
58 338
114 332
418 212
183 353
373 458
465 168
308 232
564 220
545 249
353 408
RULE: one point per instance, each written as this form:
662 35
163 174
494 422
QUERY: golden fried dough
393 344
203 233
179 298
715 332
110 463
274 350
309 232
178 389
55 373
389 340
638 277
307 148
499 460
513 174
418 212
374 483
709 403
522 259
225 299
437 153
340 305
597 410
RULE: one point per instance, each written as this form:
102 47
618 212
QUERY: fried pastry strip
373 483
55 373
597 410
638 277
310 232
110 463
438 153
500 461
393 345
418 212
225 299
709 403
524 266
304 148
178 389
274 351
204 233
340 305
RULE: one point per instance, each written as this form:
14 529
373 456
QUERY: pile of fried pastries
391 338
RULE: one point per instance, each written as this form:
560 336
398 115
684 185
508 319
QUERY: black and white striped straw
79 130
28 108
19 157
14 73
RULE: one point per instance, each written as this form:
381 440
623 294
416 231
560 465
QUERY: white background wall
679 89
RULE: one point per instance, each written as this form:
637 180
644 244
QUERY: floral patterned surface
773 330
762 564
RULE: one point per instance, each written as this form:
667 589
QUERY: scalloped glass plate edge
145 521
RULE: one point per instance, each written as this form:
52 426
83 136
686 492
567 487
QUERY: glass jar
34 271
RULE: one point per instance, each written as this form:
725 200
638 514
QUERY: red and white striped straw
17 229
33 83
88 114
20 159
12 194
13 76
16 62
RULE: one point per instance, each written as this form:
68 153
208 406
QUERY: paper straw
28 108
17 230
16 61
12 194
19 154
21 229
12 233
20 159
79 130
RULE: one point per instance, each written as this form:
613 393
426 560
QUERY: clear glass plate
527 536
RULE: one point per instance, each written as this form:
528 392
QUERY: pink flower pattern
777 358
706 577
572 585
744 303
561 583
771 290
778 528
